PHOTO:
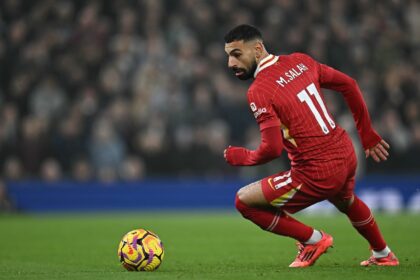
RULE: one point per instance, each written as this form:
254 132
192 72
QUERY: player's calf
257 216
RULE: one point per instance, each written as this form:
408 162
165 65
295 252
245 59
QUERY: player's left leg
364 222
252 203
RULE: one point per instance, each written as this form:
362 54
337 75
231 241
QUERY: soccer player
288 105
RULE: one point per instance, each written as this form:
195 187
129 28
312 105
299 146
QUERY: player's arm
271 138
269 149
373 144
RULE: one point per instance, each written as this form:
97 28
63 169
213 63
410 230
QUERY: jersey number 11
304 97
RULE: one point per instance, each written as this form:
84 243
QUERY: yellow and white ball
141 250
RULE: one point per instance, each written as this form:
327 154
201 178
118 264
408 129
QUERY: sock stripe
274 222
364 222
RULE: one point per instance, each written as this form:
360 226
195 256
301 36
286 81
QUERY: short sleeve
262 108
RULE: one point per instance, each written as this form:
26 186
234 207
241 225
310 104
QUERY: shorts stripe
282 200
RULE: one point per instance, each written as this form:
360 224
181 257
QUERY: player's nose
232 62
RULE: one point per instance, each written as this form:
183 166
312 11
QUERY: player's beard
245 74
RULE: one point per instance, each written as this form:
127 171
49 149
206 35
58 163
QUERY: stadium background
115 113
115 91
122 91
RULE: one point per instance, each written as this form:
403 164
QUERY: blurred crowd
120 90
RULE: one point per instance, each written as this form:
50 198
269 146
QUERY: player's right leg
253 204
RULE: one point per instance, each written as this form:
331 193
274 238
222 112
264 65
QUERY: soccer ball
140 250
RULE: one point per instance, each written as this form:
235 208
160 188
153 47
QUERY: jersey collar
266 62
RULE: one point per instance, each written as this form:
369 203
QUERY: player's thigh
252 195
345 195
344 198
290 192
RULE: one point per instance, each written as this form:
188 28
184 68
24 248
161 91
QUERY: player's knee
252 195
242 207
239 205
343 205
241 195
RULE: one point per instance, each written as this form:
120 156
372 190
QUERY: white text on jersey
292 74
257 111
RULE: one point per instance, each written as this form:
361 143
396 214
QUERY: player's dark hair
243 32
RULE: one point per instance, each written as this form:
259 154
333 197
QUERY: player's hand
379 152
236 155
224 152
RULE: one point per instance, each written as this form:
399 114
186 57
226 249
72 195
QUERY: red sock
362 219
275 220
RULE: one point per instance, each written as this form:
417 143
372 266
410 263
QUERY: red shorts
293 190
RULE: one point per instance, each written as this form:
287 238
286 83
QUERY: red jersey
287 92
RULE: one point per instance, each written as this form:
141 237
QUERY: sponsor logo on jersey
259 112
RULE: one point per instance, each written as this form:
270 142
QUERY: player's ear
259 49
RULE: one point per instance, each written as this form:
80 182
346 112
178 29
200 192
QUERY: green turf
198 246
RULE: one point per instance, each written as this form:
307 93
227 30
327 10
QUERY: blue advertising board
386 193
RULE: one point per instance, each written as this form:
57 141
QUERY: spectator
132 169
51 171
13 169
106 149
82 171
33 146
48 100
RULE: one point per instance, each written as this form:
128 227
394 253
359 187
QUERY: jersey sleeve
333 79
269 149
260 103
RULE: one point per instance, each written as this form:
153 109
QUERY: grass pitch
214 245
